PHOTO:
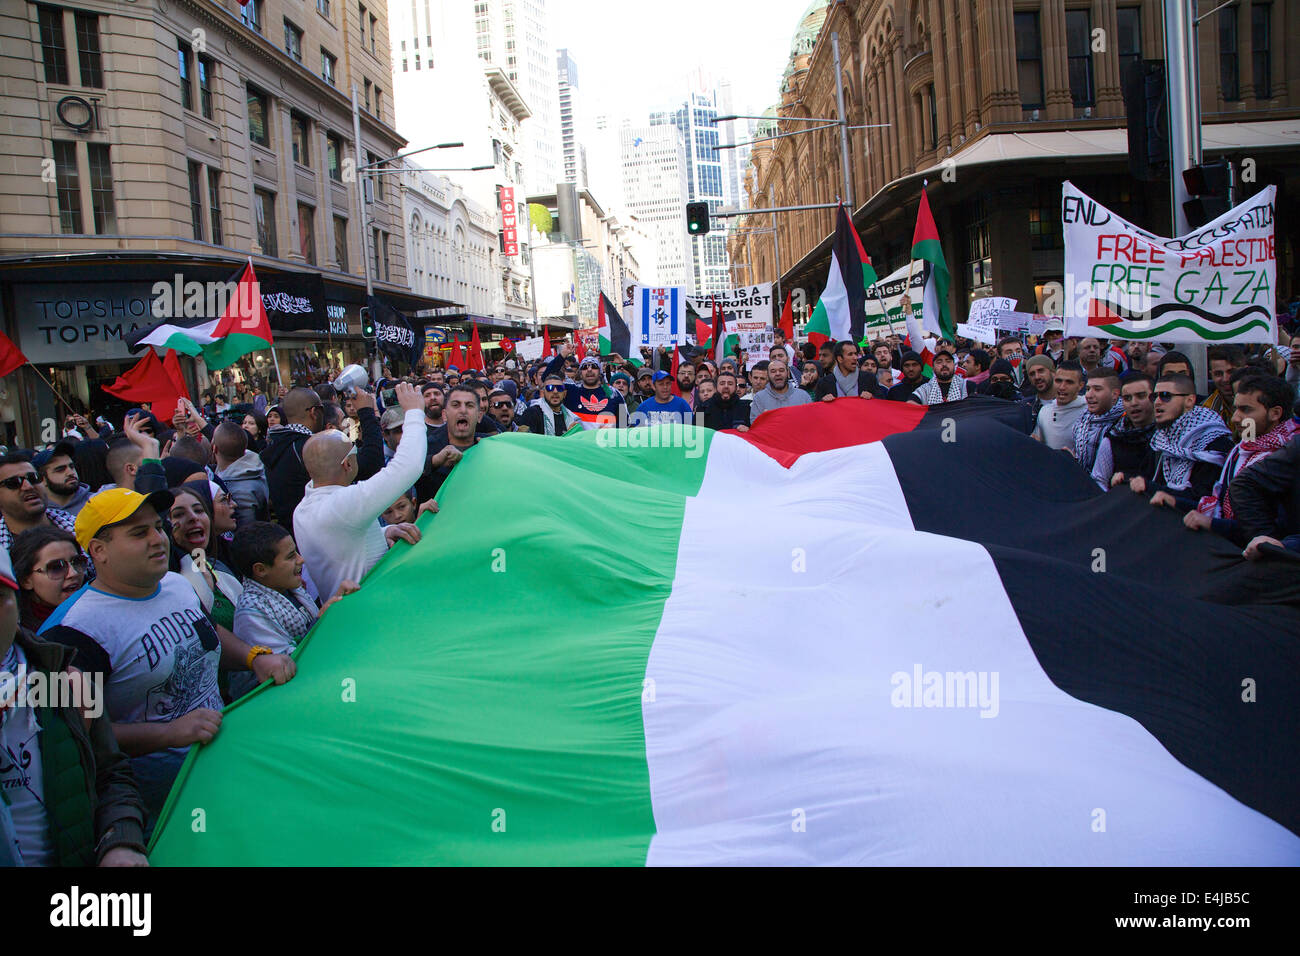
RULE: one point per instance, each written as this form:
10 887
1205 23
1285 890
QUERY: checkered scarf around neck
1089 429
294 619
1183 443
1218 504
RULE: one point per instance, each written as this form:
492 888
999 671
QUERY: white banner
885 302
987 310
747 313
1216 284
529 350
659 316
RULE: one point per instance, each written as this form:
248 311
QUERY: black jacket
534 420
903 390
719 415
827 385
1131 453
370 444
286 475
1266 496
1204 475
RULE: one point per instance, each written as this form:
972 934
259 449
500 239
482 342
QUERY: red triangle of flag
925 227
787 313
456 358
245 314
475 351
1099 313
547 351
11 357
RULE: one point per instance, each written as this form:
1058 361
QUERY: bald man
336 525
303 415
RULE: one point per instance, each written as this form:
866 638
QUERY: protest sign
659 316
1217 284
748 314
980 333
986 311
884 305
529 350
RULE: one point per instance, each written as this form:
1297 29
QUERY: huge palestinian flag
241 328
902 669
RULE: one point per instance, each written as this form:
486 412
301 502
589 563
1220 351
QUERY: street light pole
361 195
776 241
844 124
1182 80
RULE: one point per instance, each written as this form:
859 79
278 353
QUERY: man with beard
726 409
913 378
447 443
594 402
502 408
63 488
1262 416
945 386
645 387
550 415
433 402
1040 374
780 392
665 408
21 504
1124 452
884 357
686 382
1191 443
1224 360
845 379
826 357
1103 410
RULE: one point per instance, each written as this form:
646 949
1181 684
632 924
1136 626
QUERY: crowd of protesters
180 563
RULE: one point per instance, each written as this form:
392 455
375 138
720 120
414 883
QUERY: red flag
475 351
676 391
11 357
718 338
507 345
787 320
172 364
456 359
149 380
578 346
547 351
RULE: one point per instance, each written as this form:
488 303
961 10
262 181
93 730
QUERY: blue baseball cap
661 375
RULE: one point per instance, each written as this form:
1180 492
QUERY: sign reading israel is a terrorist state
1215 284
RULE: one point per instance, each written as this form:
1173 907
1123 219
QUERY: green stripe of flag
467 742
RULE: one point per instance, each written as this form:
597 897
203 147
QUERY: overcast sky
633 57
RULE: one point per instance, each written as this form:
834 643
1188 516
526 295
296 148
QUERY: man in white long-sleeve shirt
337 525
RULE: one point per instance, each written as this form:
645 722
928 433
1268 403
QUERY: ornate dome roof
810 24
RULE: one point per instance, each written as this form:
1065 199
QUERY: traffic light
697 218
1147 119
1208 186
367 324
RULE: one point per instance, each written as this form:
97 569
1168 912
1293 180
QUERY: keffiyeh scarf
1185 442
932 394
1217 505
548 416
1089 429
290 615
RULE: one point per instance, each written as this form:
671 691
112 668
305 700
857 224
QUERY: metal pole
1182 79
844 124
532 281
361 194
776 242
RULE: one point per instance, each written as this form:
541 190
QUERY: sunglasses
553 388
58 568
15 482
502 404
1169 396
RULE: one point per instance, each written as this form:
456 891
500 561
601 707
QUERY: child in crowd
402 510
274 611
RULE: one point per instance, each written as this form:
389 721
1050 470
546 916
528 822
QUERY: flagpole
907 288
51 387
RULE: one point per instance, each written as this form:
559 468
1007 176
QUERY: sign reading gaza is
1215 284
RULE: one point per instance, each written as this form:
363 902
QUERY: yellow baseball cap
110 507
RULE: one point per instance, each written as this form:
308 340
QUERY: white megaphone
352 379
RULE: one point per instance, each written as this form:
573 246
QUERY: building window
307 233
341 242
101 189
183 58
978 262
374 26
1261 37
381 254
365 95
264 206
334 157
67 181
1129 21
87 26
404 69
299 130
1045 220
214 205
934 118
1078 44
328 62
54 49
1029 60
206 68
379 103
362 20
196 200
293 41
1228 80
323 8
417 61
259 109
373 162
250 14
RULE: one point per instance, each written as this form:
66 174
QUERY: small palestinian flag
841 310
241 328
615 336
